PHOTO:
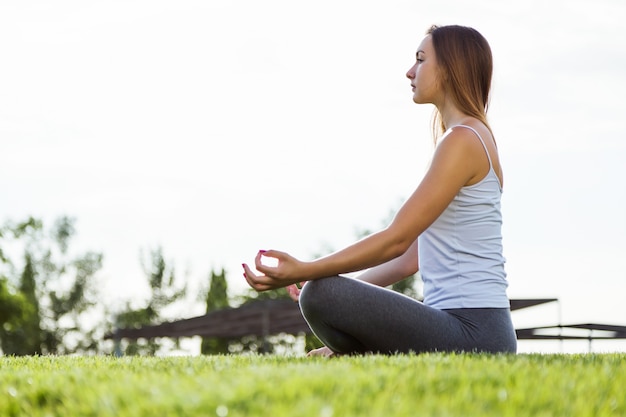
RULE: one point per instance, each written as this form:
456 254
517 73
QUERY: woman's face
424 74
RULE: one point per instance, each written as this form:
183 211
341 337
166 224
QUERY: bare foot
323 351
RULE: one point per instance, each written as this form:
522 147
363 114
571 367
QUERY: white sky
217 128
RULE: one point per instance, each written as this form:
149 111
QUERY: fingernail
262 251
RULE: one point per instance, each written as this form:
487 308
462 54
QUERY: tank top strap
481 141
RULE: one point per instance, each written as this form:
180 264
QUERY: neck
451 115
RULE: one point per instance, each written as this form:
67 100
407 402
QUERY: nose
410 74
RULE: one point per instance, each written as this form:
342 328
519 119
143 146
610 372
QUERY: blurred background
204 131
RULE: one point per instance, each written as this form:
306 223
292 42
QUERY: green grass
424 385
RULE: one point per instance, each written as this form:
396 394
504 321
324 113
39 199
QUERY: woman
451 223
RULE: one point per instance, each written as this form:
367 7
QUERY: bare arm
394 270
454 164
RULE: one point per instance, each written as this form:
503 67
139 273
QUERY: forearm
382 275
394 270
371 251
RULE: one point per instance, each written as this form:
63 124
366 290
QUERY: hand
288 271
294 291
323 351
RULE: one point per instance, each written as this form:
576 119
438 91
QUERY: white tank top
460 255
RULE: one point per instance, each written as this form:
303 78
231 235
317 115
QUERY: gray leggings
352 316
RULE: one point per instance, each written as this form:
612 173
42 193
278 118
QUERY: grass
424 385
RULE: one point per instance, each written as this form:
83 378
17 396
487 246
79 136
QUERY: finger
251 274
258 282
274 254
246 270
248 275
294 292
257 259
257 286
258 263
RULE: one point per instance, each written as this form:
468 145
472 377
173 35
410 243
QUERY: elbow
410 262
396 250
405 250
397 245
412 268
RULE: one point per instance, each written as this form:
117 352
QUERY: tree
216 299
13 306
56 286
28 337
20 333
163 292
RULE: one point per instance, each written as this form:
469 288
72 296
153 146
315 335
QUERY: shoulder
457 145
462 137
461 151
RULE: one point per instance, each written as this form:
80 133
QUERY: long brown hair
466 67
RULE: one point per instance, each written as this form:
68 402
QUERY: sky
217 128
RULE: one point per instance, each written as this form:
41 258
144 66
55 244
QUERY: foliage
13 305
404 385
55 289
216 299
164 291
25 337
11 231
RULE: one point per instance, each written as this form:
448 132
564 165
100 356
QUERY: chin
417 99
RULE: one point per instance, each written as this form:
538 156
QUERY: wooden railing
269 317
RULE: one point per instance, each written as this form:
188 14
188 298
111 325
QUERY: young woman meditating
449 229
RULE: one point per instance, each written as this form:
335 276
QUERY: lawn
423 385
